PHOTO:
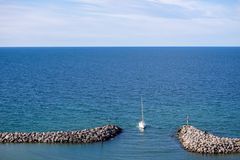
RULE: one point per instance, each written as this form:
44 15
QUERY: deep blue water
44 89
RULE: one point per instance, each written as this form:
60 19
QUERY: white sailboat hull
141 125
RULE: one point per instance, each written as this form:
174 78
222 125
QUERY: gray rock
85 136
195 140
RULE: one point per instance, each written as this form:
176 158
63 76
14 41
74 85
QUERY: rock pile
84 136
195 140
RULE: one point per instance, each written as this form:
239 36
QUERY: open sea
50 89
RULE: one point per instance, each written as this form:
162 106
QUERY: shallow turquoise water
45 89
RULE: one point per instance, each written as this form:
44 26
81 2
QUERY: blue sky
120 23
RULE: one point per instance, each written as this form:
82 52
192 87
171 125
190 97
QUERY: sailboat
141 124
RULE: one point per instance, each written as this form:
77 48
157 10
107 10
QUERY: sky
119 23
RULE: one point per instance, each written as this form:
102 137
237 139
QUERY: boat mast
142 108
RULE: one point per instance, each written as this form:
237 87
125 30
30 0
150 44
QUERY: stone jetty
98 134
195 140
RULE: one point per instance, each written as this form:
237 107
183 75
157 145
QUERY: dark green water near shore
50 89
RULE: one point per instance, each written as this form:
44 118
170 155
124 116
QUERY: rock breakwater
195 140
97 134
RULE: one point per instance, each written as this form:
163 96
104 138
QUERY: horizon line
120 46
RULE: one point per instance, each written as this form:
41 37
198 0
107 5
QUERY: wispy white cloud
126 22
201 7
188 4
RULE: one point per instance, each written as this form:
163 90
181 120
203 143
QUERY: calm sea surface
50 89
